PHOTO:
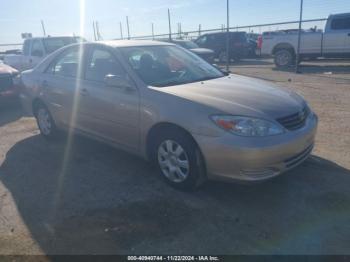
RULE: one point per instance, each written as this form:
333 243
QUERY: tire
222 57
284 58
179 160
45 122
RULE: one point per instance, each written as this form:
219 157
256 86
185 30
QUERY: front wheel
179 161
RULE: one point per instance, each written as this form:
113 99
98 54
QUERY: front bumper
256 158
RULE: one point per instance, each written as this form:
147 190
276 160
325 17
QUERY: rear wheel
284 58
45 122
179 160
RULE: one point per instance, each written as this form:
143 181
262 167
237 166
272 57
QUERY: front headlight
247 126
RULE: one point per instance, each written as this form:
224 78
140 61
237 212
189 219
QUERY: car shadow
88 198
326 70
10 112
249 62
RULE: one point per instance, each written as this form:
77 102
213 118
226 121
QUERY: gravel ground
98 200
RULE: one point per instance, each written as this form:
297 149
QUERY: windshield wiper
208 78
166 83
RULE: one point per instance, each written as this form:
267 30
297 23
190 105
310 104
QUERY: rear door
110 112
62 86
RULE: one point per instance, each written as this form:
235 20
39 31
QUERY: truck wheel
284 58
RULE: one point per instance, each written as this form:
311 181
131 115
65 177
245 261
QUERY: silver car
163 103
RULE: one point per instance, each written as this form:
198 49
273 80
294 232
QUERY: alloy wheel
173 161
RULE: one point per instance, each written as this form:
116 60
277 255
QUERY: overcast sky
65 17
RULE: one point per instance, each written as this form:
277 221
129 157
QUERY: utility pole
228 37
152 31
180 30
43 27
169 24
98 31
94 28
199 29
121 30
127 25
299 38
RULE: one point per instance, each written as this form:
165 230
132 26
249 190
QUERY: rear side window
102 63
341 23
67 64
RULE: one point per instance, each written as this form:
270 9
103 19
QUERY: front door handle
84 92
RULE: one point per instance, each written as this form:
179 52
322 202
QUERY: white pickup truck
334 42
36 49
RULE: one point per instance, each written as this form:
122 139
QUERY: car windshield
55 43
168 65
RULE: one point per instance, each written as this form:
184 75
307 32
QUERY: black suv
239 45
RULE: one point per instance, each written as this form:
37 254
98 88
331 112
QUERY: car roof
131 43
51 37
221 33
181 41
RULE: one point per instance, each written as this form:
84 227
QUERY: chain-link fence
272 29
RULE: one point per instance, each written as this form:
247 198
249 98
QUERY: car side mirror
117 81
37 53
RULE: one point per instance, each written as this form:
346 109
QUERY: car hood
7 70
202 51
239 95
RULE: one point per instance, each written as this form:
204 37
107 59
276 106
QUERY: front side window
168 65
102 63
67 64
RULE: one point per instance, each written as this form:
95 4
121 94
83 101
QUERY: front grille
5 82
295 121
298 158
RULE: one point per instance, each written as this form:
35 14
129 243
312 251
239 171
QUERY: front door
110 112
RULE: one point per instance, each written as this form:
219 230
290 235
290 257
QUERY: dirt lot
100 200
